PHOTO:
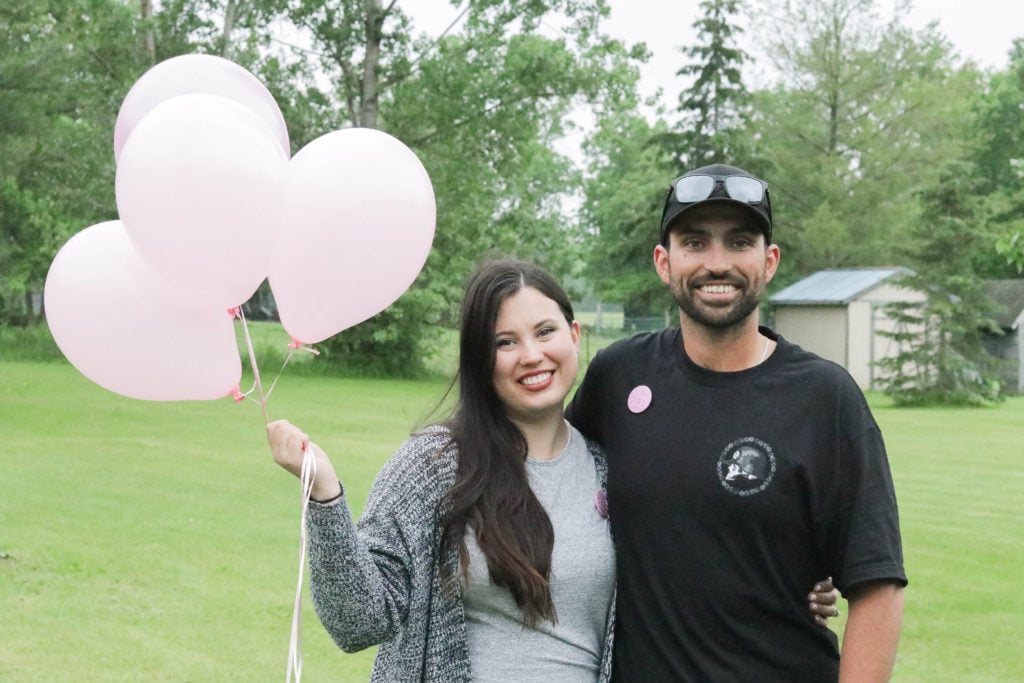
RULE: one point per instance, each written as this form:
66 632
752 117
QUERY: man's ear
771 262
661 262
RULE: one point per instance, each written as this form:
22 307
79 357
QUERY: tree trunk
30 311
229 25
149 41
370 94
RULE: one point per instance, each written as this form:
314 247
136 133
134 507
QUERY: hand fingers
287 442
824 610
822 613
829 598
823 620
276 429
824 601
280 432
824 592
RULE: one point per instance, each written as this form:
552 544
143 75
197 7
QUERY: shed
838 314
1008 295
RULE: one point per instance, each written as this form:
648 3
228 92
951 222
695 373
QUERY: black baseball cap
719 184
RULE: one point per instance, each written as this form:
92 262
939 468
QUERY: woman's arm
360 577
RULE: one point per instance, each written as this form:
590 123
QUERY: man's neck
730 349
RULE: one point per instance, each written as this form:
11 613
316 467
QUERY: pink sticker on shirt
601 503
639 399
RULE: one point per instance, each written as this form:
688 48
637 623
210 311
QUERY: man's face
717 265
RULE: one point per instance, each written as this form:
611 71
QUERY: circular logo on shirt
746 466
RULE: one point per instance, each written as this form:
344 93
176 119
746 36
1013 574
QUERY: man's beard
718 317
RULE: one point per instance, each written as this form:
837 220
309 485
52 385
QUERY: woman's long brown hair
492 494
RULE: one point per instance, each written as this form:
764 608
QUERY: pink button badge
639 399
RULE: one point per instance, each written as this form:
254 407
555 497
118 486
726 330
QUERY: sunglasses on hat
734 185
694 188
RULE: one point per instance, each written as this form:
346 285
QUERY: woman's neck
545 438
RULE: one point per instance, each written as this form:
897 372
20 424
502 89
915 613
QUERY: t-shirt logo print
746 466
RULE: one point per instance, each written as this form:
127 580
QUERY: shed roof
833 287
1009 296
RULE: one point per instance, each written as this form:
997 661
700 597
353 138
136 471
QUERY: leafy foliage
632 162
863 116
624 197
715 107
858 115
942 360
483 110
999 122
61 80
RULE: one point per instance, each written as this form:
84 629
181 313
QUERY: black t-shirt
729 495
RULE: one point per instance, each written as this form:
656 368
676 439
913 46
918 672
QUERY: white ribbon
306 476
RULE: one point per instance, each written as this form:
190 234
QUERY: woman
481 553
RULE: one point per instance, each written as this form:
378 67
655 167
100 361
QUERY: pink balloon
125 329
188 74
199 190
357 225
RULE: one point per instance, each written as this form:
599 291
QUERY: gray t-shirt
501 649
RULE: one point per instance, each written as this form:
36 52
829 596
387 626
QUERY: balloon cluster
210 205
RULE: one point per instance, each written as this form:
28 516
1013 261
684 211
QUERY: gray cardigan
385 581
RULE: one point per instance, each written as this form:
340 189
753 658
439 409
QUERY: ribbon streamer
306 475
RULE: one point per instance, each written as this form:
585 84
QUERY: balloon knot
234 311
299 346
237 394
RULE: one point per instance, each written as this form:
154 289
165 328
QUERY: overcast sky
982 30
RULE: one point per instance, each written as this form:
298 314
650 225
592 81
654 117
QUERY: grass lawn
959 477
158 541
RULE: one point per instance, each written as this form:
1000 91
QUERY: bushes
31 343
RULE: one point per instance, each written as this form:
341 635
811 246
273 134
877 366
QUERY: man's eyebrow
690 229
745 230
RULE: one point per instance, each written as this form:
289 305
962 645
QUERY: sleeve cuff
330 501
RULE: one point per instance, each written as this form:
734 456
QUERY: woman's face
535 360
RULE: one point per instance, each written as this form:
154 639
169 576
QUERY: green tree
630 169
943 360
999 154
863 114
62 76
715 107
1011 247
483 109
632 161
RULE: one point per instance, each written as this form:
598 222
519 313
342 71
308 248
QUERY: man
741 469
